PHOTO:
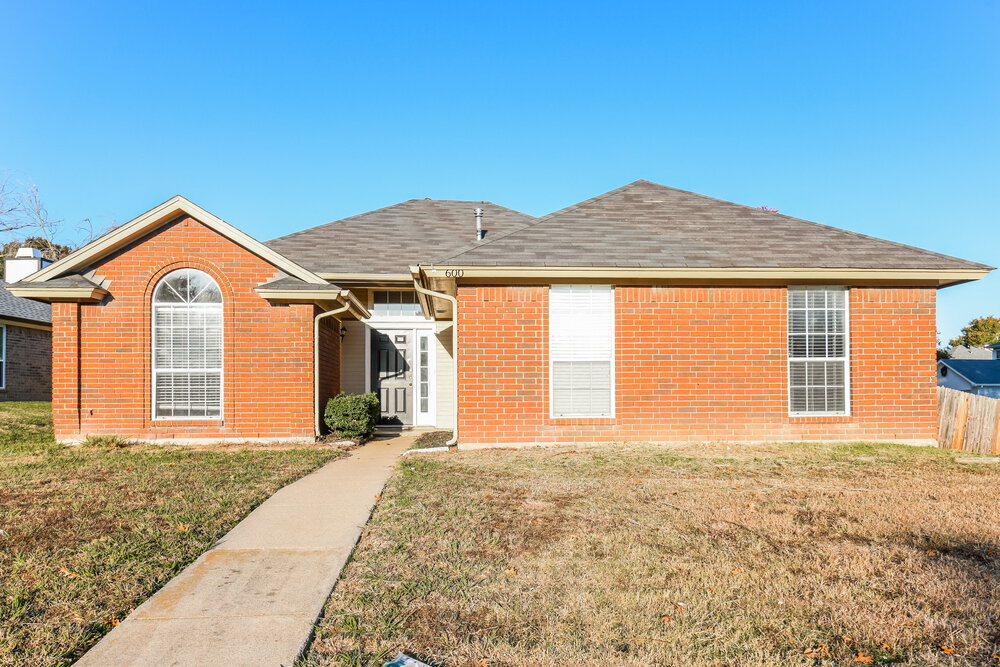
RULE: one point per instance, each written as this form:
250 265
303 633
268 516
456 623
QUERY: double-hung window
187 346
818 351
582 350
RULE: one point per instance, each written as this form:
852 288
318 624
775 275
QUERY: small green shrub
106 442
353 416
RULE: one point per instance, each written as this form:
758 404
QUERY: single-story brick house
644 314
25 348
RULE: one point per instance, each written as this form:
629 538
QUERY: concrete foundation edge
924 442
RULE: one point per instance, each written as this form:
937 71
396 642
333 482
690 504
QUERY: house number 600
454 273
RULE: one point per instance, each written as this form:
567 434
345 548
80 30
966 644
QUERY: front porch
404 358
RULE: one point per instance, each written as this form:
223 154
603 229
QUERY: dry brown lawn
88 533
706 555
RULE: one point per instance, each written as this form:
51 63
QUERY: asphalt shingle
977 371
645 224
391 239
23 309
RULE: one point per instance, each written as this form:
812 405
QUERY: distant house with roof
25 336
984 353
976 376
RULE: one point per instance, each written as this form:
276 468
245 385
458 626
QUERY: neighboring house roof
391 239
964 352
644 224
16 308
978 372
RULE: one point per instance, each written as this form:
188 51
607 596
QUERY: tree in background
26 223
979 332
50 251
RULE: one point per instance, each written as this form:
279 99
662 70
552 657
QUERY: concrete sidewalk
253 598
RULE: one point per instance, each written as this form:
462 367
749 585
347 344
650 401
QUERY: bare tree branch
11 207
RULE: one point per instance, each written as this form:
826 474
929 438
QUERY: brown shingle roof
645 224
23 309
391 239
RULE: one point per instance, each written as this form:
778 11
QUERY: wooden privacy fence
968 422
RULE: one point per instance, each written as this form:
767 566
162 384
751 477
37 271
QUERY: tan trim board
62 294
312 296
157 216
300 294
26 325
940 277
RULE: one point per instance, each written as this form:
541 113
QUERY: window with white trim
582 350
395 303
3 356
187 346
818 351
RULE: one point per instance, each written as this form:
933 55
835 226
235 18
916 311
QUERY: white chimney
23 264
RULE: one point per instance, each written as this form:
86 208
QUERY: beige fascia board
61 294
940 277
343 296
366 277
26 325
359 309
153 218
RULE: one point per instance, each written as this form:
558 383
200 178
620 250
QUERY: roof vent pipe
479 224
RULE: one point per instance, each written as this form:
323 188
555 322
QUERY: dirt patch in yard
694 555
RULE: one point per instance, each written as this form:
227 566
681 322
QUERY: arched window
187 346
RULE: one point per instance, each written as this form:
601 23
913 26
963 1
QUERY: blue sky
881 117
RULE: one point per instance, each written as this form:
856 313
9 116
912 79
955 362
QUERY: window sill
832 418
180 421
581 421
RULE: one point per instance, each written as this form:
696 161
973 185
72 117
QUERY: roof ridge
539 220
351 218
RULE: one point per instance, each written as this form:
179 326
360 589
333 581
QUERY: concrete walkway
253 598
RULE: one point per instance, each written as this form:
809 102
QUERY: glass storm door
392 375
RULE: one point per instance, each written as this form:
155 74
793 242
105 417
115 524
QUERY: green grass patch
90 532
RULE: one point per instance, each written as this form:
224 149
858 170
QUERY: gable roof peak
155 218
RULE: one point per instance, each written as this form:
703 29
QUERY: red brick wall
28 365
695 363
329 362
101 352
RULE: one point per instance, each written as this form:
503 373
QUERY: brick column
66 370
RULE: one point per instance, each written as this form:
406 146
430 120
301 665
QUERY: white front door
401 373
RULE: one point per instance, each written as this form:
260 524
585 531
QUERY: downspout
329 313
454 344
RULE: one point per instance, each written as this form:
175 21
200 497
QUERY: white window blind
818 351
187 346
581 349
